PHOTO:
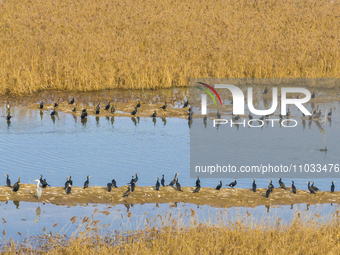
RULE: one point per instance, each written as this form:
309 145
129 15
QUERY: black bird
8 181
232 184
157 184
56 104
173 181
98 110
219 186
271 186
268 193
72 101
114 183
282 185
265 91
311 190
136 178
16 185
68 181
205 118
132 180
198 187
83 116
262 117
68 189
313 95
133 185
41 106
198 181
127 192
186 104
75 108
314 188
254 186
86 183
293 187
53 112
325 149
84 111
134 111
250 116
8 117
138 105
164 106
330 112
107 107
154 115
41 179
113 109
218 114
163 181
109 187
178 186
44 183
236 118
332 187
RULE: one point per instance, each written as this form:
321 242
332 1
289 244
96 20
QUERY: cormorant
56 104
262 117
293 187
133 185
163 181
157 184
250 116
107 107
8 117
83 116
198 187
325 149
282 185
332 187
268 192
44 183
16 185
232 184
254 186
41 106
219 186
98 110
205 118
68 190
265 91
114 184
75 108
72 101
271 186
178 186
154 115
311 190
86 183
314 188
138 105
109 187
313 95
53 112
70 181
67 182
173 181
134 111
164 106
136 178
8 181
186 104
113 109
198 181
127 192
84 111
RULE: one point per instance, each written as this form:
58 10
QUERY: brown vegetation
91 45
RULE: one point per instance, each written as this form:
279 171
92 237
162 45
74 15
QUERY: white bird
39 190
324 119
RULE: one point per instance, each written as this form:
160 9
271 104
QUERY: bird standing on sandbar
107 107
232 184
16 185
134 111
178 186
310 188
68 189
173 181
293 187
87 182
39 190
164 106
127 192
8 181
186 104
282 185
163 181
198 187
254 186
157 184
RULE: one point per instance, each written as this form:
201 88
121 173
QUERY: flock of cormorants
132 185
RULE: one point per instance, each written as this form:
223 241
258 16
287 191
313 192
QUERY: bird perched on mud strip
154 115
314 188
114 183
186 104
293 187
87 182
271 186
133 186
157 184
198 187
8 181
282 185
127 192
198 181
332 187
72 101
173 181
134 111
219 186
254 186
68 189
109 187
107 107
164 106
16 185
232 184
178 186
310 188
163 181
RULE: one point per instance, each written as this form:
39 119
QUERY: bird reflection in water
97 120
53 119
154 121
112 120
134 120
41 114
16 204
164 120
267 207
37 213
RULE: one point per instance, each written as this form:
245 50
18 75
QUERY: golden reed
87 45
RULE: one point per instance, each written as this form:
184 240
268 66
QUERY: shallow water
107 148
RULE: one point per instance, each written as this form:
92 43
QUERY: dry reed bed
90 45
301 236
